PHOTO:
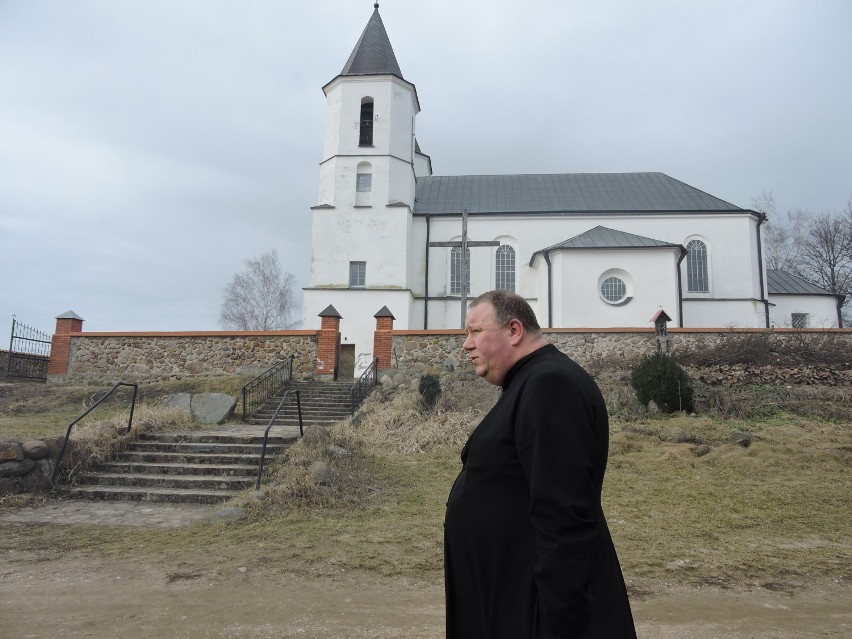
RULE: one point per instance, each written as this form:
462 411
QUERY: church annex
586 250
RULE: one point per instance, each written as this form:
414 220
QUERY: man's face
488 344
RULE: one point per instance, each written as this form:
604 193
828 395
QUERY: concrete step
185 482
185 458
173 495
216 470
205 437
198 448
183 467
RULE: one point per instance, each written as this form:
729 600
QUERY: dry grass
778 510
33 410
94 441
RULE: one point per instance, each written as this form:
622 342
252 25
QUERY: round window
613 290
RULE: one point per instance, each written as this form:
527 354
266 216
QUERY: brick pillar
382 338
60 343
328 343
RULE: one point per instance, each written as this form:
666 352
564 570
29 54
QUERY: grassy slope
778 511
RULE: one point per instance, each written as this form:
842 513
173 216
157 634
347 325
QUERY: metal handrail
269 425
265 385
360 389
94 406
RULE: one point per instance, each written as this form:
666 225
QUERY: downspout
549 291
426 281
680 288
760 220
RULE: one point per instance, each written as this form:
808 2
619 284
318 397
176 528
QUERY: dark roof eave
594 212
553 249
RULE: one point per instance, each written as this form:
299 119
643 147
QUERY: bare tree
259 298
777 239
824 251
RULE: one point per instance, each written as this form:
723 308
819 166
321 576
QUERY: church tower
362 224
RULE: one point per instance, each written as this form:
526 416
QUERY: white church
588 250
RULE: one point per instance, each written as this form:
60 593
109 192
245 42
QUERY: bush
430 391
661 379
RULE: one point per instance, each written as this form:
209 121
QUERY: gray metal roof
783 283
563 193
602 237
373 54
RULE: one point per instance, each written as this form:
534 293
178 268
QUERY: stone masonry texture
147 358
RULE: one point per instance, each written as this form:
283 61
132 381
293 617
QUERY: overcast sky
149 147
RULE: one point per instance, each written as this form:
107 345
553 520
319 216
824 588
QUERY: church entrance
346 366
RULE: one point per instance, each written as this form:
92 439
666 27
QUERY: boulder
38 479
229 513
212 408
741 439
16 468
321 472
701 450
11 451
35 449
676 435
183 401
337 451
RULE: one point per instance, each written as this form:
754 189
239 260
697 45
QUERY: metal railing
269 425
365 384
94 406
265 385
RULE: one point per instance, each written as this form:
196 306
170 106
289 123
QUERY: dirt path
88 598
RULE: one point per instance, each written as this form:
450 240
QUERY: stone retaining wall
26 465
414 352
148 357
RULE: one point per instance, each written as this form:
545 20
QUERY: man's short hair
509 306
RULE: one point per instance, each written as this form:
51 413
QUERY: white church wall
821 310
649 276
373 235
421 166
708 313
729 238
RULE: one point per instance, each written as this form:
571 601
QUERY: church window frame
365 129
615 287
455 271
504 268
364 182
800 320
697 267
357 274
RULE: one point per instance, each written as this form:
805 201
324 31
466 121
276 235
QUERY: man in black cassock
527 551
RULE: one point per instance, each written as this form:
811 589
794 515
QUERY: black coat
527 550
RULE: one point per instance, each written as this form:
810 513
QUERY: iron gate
29 352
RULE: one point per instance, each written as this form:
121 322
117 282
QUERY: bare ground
198 596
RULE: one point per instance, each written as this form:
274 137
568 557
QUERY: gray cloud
147 149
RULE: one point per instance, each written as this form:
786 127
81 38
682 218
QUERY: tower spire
373 53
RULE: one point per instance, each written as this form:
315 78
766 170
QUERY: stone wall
609 349
148 357
26 465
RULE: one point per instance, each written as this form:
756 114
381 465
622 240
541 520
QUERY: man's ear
516 332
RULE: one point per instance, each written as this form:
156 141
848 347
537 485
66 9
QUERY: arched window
456 269
366 137
504 268
697 273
